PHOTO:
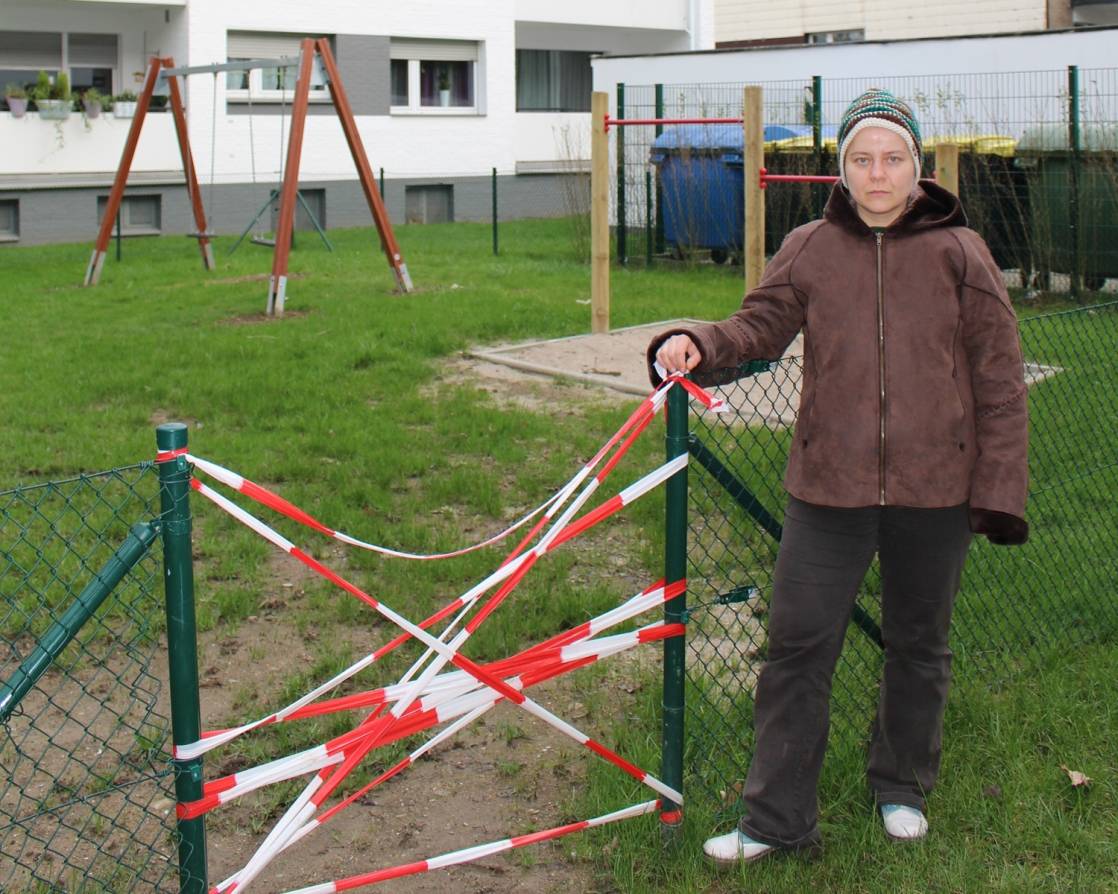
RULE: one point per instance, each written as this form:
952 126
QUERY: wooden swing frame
164 68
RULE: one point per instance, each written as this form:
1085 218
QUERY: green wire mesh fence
1038 166
87 798
1016 604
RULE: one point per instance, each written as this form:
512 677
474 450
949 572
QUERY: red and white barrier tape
327 781
464 694
450 705
452 682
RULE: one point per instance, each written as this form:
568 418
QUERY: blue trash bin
700 171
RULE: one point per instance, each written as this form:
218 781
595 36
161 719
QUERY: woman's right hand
678 355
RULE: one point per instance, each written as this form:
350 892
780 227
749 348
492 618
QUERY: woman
911 435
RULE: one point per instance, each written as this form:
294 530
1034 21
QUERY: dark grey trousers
824 554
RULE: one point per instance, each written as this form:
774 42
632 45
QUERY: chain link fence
1016 604
87 799
1038 166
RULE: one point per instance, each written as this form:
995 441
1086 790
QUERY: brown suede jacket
913 389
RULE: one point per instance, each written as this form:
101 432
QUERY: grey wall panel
70 215
363 64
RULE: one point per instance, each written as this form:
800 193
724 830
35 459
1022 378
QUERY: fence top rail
74 479
915 76
1103 305
620 122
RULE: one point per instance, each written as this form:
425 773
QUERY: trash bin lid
716 137
723 139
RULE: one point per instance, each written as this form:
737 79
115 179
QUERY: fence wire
1016 604
1038 166
86 782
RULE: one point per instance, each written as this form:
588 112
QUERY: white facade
430 142
1093 48
749 20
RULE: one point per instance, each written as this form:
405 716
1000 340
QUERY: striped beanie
878 108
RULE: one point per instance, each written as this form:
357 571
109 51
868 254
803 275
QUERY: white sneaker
903 823
735 847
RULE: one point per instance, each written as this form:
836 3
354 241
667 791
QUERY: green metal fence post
182 649
675 649
622 240
1076 160
659 191
648 218
494 191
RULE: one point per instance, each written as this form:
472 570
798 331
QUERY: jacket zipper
881 372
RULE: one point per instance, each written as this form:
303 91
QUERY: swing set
274 195
315 61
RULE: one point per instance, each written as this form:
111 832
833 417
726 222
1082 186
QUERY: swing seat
263 240
197 234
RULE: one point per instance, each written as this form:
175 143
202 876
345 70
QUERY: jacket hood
932 207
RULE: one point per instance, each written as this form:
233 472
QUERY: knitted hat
878 108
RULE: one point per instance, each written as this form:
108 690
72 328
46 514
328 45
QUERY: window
553 81
90 59
427 75
139 215
9 220
399 74
835 36
312 200
24 53
266 84
429 204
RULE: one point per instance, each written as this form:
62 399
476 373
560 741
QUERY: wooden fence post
754 198
947 166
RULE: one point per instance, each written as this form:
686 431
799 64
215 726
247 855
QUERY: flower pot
53 109
124 109
444 97
92 109
17 105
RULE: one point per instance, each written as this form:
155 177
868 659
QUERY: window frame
64 63
256 92
12 235
555 59
415 104
840 35
127 203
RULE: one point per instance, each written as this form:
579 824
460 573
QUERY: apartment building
760 23
444 95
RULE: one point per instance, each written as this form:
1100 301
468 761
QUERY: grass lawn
341 407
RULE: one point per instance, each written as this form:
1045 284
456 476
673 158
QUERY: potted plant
124 104
444 87
40 90
93 101
16 97
53 100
